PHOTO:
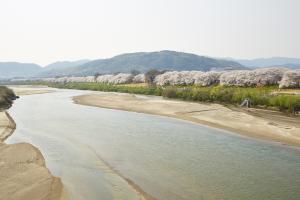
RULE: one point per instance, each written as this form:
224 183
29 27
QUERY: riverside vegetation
264 97
261 86
6 97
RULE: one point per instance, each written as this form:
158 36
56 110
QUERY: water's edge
63 195
140 150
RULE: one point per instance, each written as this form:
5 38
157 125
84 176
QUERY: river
93 150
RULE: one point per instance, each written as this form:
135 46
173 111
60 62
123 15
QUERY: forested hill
142 61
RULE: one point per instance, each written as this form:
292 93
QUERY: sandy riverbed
23 174
261 124
21 90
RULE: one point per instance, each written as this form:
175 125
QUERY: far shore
262 124
21 90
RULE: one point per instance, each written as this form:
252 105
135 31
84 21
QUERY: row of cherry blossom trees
120 78
291 79
259 77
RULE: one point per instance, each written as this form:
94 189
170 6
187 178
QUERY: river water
167 158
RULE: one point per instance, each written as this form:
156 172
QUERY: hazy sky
43 31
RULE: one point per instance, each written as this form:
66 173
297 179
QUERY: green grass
260 97
111 88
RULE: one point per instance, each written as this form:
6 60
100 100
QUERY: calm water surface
169 159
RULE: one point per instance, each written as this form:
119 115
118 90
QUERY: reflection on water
167 158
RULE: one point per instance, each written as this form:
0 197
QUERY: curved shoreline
115 171
9 128
24 174
239 121
140 194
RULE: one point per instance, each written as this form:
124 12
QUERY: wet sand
262 124
23 173
21 90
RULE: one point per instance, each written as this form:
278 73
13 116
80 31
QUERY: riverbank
23 173
267 97
262 124
21 90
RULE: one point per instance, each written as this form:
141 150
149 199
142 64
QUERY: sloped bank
23 173
257 123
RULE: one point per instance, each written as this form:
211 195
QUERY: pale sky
44 31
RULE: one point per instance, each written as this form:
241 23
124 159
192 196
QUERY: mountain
144 61
15 69
275 61
65 64
141 61
54 68
289 65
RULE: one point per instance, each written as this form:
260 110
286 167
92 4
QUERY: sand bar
21 90
262 124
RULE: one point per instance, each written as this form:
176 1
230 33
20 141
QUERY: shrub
6 97
169 92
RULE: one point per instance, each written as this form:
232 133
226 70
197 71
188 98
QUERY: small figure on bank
246 103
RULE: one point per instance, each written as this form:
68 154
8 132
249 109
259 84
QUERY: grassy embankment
260 97
6 97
